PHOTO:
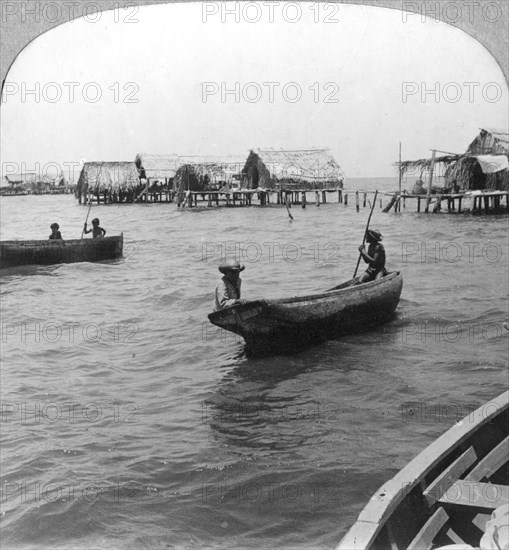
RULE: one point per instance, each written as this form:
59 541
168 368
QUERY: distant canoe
17 253
447 493
273 326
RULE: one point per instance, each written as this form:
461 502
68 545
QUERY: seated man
375 257
418 188
97 232
55 233
228 288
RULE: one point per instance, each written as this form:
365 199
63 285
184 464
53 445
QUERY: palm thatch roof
32 179
157 166
490 141
292 169
468 170
217 168
99 177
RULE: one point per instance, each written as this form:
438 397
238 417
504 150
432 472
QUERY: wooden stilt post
317 198
398 206
486 204
357 201
340 196
365 198
428 197
418 204
304 199
346 199
459 204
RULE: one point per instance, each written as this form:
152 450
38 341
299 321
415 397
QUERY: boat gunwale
392 493
53 242
391 277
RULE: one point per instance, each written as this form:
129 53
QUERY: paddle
288 208
83 230
366 232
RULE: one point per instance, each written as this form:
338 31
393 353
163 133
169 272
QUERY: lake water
128 421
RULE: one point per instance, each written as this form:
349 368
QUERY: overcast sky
360 77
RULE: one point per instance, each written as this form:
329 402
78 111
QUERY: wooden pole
366 232
400 178
428 196
287 202
86 220
357 200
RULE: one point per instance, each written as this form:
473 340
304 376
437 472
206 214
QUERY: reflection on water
227 451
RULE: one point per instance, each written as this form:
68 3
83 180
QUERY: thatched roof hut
215 169
490 141
485 164
208 173
100 177
157 167
295 170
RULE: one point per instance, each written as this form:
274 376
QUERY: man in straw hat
228 288
375 257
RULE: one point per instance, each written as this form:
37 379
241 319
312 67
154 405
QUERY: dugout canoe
283 325
18 253
447 494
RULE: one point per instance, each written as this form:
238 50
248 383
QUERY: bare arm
365 256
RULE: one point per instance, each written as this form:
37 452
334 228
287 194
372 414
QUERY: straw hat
375 235
231 265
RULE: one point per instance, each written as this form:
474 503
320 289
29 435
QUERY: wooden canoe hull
271 326
447 493
19 253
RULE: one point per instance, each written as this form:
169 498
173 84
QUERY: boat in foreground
447 493
18 253
276 326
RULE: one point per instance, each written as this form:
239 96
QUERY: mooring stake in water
287 201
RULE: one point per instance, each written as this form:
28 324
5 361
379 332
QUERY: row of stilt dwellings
484 166
165 178
34 184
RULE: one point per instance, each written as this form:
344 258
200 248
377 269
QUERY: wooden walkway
473 201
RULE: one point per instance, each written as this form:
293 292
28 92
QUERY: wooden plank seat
491 462
439 486
488 496
425 537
